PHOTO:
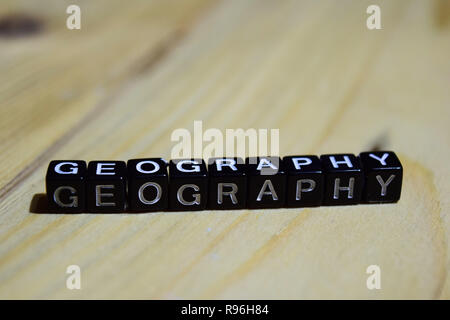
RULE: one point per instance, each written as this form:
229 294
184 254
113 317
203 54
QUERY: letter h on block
65 184
344 180
106 184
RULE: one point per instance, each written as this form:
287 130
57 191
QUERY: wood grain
137 70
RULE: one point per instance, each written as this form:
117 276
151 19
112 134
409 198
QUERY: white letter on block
382 159
301 161
73 197
264 164
349 189
73 169
197 196
158 193
336 163
195 167
221 193
263 192
104 169
384 184
231 163
153 163
99 195
310 182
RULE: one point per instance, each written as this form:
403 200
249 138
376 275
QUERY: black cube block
106 186
227 183
344 180
383 174
148 185
266 182
188 185
305 181
65 184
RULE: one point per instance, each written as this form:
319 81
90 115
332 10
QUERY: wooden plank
309 68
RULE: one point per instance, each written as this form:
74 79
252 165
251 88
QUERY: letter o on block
148 184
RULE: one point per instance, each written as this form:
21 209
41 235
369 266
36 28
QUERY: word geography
153 184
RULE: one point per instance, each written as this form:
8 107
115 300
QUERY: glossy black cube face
227 183
148 185
66 186
344 180
383 174
188 185
266 183
305 181
106 186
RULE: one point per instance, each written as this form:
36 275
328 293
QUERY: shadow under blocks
153 184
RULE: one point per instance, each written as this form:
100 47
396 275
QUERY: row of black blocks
144 185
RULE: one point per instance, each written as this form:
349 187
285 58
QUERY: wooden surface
137 70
